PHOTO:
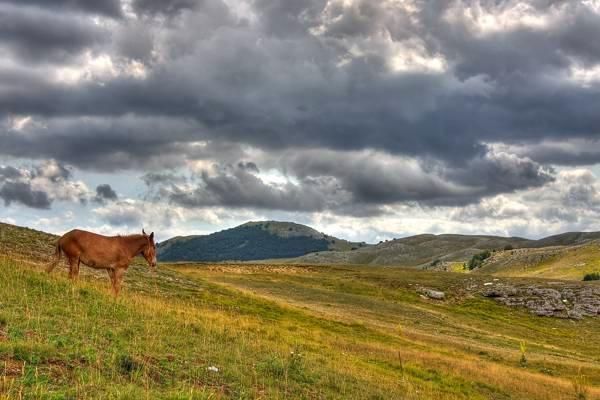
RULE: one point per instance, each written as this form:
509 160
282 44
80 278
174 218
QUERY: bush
128 365
594 276
478 259
508 247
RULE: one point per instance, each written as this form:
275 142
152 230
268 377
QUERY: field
212 331
558 262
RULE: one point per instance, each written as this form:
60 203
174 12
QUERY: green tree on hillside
477 260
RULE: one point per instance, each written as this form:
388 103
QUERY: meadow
245 331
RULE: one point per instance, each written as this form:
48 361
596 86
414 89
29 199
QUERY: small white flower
213 369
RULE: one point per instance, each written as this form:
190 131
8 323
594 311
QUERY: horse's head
149 251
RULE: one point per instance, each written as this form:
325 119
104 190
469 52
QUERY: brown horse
112 253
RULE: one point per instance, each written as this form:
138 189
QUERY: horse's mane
131 236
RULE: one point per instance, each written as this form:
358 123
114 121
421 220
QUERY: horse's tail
56 258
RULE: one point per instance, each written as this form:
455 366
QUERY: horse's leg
76 272
56 260
118 273
111 275
73 266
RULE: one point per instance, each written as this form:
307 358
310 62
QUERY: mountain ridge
253 240
422 250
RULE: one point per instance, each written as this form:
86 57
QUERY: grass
568 263
278 332
305 333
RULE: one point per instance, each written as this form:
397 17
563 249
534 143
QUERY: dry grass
277 332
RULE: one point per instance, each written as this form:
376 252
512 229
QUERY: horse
112 253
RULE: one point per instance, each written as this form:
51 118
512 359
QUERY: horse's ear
152 236
144 232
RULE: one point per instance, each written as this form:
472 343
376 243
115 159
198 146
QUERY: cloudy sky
365 119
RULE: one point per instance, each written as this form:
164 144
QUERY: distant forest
242 243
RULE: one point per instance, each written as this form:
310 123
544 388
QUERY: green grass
568 263
278 332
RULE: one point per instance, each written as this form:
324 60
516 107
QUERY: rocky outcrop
562 301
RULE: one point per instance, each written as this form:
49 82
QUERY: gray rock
433 294
571 301
500 291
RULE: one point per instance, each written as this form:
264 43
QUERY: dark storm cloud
15 187
21 192
499 172
570 152
109 144
162 178
248 166
237 187
105 193
379 178
499 95
8 172
317 76
121 213
354 184
40 185
41 35
168 7
134 40
109 8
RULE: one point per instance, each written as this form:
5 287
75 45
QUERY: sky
367 120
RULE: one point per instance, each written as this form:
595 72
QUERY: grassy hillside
416 251
557 262
277 332
422 250
252 241
24 243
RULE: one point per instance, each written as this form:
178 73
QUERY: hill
246 331
555 262
423 250
25 243
252 241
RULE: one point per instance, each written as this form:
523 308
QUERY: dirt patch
11 368
261 268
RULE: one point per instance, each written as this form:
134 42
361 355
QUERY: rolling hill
565 256
250 331
422 250
555 262
252 241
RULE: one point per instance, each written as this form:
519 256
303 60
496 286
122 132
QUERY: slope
252 241
423 250
220 332
556 262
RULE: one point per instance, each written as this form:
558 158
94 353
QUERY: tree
477 260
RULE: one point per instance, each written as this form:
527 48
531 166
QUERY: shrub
508 247
523 349
478 259
128 365
594 276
